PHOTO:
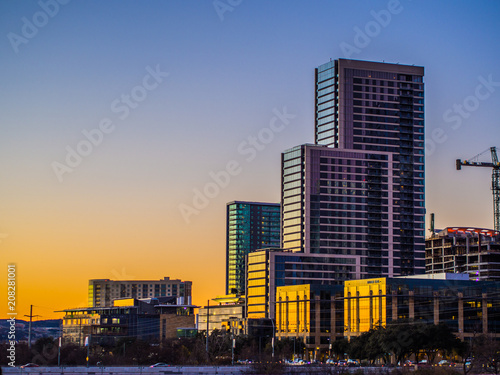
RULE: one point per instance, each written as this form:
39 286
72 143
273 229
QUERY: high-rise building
249 226
359 192
102 292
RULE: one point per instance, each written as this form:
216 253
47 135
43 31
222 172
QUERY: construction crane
495 179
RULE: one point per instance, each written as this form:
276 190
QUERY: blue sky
227 75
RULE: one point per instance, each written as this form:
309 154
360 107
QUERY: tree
339 347
398 339
486 351
437 337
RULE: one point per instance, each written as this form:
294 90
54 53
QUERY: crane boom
495 180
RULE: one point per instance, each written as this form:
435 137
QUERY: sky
126 126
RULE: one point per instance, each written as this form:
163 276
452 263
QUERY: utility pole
208 318
31 316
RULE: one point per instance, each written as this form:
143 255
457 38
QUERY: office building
250 226
320 314
102 292
475 251
468 307
269 269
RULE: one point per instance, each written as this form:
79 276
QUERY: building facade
269 269
102 292
475 251
249 226
344 206
227 314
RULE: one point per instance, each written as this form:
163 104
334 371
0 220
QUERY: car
160 364
342 363
244 361
444 362
352 363
330 361
30 365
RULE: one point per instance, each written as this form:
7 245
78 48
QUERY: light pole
232 321
274 332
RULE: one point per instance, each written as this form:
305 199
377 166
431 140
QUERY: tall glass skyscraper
249 226
359 192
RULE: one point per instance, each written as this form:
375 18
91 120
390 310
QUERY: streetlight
274 333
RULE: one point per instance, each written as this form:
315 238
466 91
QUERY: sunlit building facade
228 313
312 313
468 307
249 226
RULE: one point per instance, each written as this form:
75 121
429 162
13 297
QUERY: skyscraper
359 192
249 226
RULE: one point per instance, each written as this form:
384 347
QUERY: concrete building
102 292
475 251
249 226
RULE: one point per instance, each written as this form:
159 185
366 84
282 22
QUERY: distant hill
39 329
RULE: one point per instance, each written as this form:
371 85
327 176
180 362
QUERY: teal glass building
249 226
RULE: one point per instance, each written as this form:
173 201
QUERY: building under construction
474 251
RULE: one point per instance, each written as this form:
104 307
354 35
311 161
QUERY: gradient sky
116 214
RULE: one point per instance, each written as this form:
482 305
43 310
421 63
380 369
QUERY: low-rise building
468 307
228 313
152 320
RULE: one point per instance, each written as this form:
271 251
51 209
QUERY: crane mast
495 180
